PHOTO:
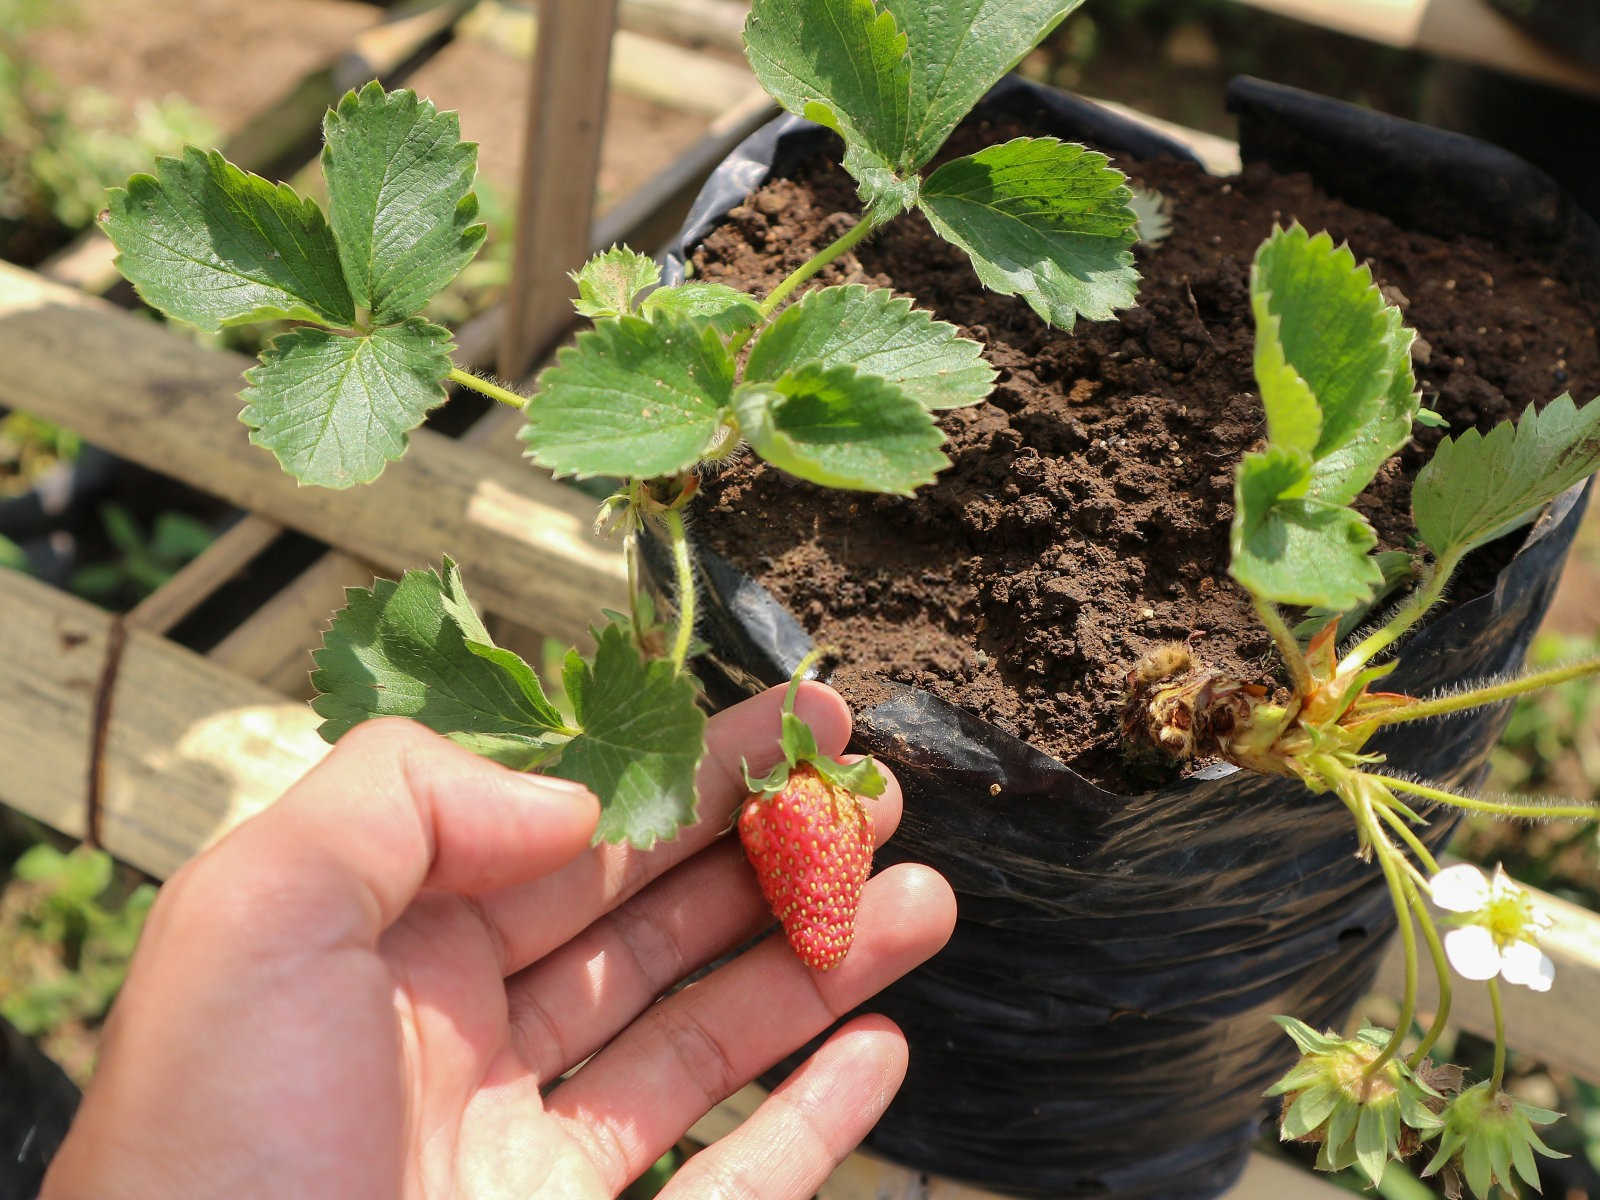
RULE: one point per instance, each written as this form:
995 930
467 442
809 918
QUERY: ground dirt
1086 516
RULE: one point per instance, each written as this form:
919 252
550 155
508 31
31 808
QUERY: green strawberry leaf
519 751
631 397
843 64
1042 219
840 428
1477 487
959 49
878 333
334 409
415 649
210 244
1333 361
608 282
641 740
1288 548
1397 568
400 198
727 310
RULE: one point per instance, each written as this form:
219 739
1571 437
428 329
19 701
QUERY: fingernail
555 784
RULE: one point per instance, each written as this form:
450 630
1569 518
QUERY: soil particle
1085 517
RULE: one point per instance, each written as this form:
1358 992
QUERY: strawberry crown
799 746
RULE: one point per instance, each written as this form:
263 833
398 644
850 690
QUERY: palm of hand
401 1013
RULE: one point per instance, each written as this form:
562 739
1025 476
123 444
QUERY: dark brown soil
1086 516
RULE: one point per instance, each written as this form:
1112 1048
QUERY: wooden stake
560 163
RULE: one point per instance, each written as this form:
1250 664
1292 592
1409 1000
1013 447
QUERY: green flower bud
1488 1135
1360 1116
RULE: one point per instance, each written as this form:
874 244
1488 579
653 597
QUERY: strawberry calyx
799 746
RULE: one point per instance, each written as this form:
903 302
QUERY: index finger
533 919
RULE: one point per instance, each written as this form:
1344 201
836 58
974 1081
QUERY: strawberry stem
1439 706
834 249
1441 971
1527 811
1408 614
1288 647
685 570
1499 1035
806 663
483 387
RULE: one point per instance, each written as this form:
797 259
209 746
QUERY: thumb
392 811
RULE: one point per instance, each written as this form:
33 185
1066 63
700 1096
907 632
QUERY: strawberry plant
1333 365
840 386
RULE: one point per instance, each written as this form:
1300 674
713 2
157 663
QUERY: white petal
1472 952
1461 888
1525 963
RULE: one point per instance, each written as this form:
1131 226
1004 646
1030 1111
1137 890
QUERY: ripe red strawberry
810 840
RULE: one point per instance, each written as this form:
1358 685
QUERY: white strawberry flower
1498 925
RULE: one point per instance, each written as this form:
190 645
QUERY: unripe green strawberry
811 844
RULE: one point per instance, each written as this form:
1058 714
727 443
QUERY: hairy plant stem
1412 841
685 572
1533 812
1499 1034
1288 647
1441 971
1430 932
492 390
1407 615
630 559
841 245
1361 806
1492 694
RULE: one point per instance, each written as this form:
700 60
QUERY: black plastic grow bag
1099 1024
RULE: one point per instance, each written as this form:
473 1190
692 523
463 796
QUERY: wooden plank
670 75
1467 30
717 23
1390 22
1555 1027
555 204
866 1176
1472 31
525 541
274 645
209 570
289 121
189 750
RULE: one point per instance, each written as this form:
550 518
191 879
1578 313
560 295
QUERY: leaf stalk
492 390
686 597
1288 646
1492 694
840 246
1502 808
1417 606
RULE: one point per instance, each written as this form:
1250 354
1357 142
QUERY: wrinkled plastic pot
1099 1024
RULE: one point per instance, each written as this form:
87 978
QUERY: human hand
375 987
